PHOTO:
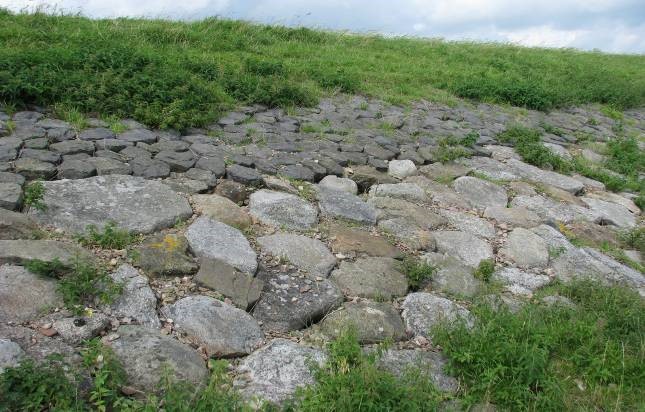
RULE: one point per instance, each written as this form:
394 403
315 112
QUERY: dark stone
213 164
98 133
149 168
138 135
178 161
244 175
232 190
42 155
73 147
297 172
75 169
40 143
114 145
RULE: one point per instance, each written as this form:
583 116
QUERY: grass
485 270
589 357
182 74
110 237
417 271
33 197
80 284
350 380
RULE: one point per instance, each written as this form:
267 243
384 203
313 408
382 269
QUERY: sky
607 25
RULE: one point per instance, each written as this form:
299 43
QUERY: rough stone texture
234 191
243 289
401 169
428 364
178 161
526 249
408 233
374 277
611 213
615 198
10 196
444 171
468 248
538 175
366 176
373 322
388 208
106 166
23 295
132 203
452 276
306 253
347 240
146 354
223 330
244 175
290 301
138 135
10 354
75 169
332 182
165 255
277 370
76 330
339 204
480 193
282 210
14 225
520 282
21 251
550 210
222 209
470 223
514 216
406 191
423 311
137 300
149 168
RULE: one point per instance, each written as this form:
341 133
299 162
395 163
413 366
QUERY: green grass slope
178 74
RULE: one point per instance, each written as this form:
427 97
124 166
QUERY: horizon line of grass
176 74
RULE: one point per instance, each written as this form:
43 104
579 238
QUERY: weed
612 113
34 194
625 156
634 239
587 357
37 387
107 377
53 269
417 271
351 380
528 144
485 270
72 116
548 128
115 124
111 237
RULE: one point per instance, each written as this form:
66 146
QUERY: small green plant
612 113
53 269
583 357
115 124
634 239
107 377
110 237
34 194
72 116
528 144
625 156
39 387
417 271
548 128
350 380
485 270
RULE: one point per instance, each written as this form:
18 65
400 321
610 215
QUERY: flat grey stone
222 209
146 355
11 354
77 330
137 300
340 204
244 175
611 213
178 161
423 311
452 276
243 290
388 208
75 169
526 249
205 176
21 251
277 370
33 169
97 133
306 253
14 225
282 210
215 240
551 210
10 196
106 166
408 233
514 216
42 155
427 364
149 168
520 282
373 277
332 182
291 301
223 330
132 203
70 147
536 174
491 168
25 296
480 193
373 322
401 169
470 223
6 177
212 164
406 191
138 135
165 255
182 184
468 248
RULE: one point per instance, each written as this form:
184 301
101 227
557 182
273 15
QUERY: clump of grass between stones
34 193
110 237
485 270
417 271
80 283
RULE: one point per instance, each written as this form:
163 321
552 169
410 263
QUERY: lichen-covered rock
423 311
165 255
373 277
282 210
306 253
373 322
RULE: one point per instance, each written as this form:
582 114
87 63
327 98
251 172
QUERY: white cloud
544 36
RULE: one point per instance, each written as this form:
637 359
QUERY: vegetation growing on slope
179 74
